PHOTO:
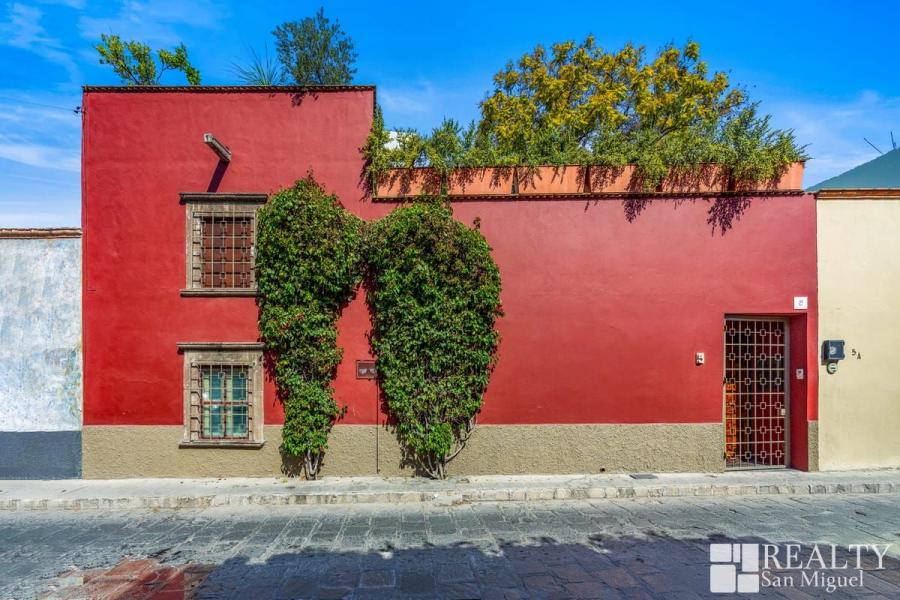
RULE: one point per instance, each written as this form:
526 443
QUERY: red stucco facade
603 316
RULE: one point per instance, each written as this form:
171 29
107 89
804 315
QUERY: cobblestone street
581 549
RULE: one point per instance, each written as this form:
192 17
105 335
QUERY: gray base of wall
812 444
154 451
40 454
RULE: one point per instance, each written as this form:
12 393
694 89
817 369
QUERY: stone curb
447 497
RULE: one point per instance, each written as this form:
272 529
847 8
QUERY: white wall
40 334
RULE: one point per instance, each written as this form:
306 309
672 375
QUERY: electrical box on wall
832 350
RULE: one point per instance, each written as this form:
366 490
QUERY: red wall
139 151
603 315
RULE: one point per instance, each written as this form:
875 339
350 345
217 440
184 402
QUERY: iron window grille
226 251
221 243
223 400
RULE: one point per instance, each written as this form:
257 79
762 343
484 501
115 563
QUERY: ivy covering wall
308 265
434 292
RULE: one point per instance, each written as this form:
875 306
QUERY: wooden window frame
200 354
199 205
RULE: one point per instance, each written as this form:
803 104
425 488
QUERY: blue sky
826 69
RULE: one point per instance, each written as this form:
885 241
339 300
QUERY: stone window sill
247 445
223 292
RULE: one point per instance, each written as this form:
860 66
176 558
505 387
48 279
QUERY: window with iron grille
223 399
221 240
226 251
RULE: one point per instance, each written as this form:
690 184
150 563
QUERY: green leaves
133 61
435 295
315 51
576 103
178 61
308 265
434 291
259 70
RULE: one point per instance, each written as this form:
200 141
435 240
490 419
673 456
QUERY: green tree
577 103
315 51
434 291
134 64
308 264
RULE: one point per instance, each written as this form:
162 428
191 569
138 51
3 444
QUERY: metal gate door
756 397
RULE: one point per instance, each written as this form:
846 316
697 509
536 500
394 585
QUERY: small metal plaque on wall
365 369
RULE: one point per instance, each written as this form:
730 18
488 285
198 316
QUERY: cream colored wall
859 302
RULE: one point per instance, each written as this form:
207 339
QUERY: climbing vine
434 292
308 265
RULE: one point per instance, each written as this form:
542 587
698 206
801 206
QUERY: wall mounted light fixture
217 147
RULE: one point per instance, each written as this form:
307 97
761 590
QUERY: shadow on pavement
616 567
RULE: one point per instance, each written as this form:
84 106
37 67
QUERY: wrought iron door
756 393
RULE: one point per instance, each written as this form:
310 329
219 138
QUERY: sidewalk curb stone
462 491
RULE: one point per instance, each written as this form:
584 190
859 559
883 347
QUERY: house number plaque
365 369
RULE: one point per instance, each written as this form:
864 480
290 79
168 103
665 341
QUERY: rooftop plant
133 61
577 103
315 51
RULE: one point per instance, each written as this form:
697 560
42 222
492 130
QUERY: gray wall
40 358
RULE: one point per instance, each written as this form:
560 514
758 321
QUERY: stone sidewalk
612 549
76 494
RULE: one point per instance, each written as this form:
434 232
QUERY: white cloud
64 218
835 130
407 101
424 104
23 30
39 155
38 197
39 159
153 22
34 132
70 3
31 115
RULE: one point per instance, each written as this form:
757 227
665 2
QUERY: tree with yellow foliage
576 103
